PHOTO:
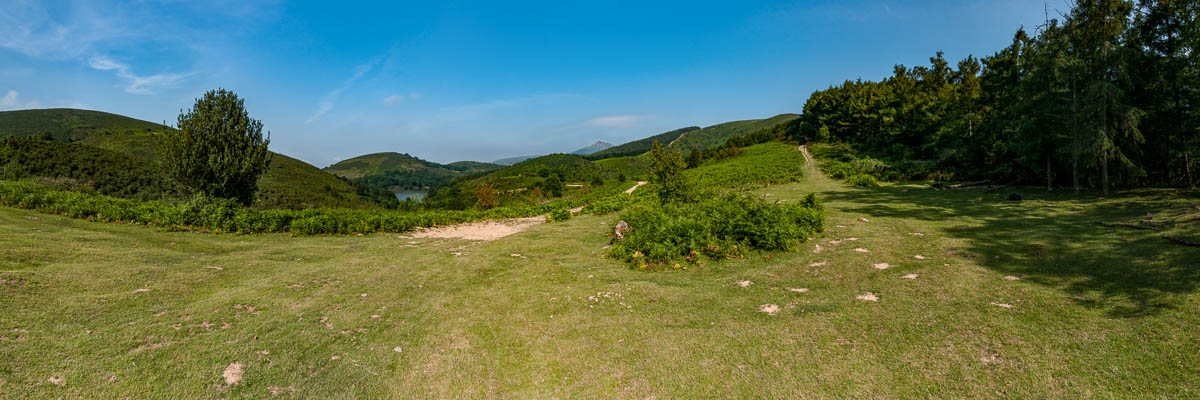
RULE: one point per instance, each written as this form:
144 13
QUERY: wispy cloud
137 84
616 121
400 98
326 104
12 100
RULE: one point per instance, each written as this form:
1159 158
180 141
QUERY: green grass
1098 312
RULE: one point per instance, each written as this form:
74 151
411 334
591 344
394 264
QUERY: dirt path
482 230
491 229
638 185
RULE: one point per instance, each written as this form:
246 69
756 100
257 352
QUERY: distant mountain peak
595 147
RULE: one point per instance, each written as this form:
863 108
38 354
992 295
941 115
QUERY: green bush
719 227
863 180
559 215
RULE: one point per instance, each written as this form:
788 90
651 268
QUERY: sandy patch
57 380
1001 305
862 250
638 185
819 264
770 309
398 349
851 239
744 283
919 257
839 226
868 296
482 230
798 289
916 234
991 359
233 374
817 249
278 390
910 276
881 266
214 267
142 290
1012 278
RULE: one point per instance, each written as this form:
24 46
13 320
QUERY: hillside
288 183
594 147
717 134
641 146
67 124
397 171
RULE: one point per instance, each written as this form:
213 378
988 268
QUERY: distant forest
1102 95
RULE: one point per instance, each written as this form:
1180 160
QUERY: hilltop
716 135
288 183
594 147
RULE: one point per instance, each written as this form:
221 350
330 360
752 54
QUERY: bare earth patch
1001 305
57 380
881 266
233 374
1012 278
744 283
817 249
142 290
862 250
482 230
910 276
919 257
868 296
798 290
819 264
638 185
278 390
770 309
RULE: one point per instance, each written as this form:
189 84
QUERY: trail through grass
1027 299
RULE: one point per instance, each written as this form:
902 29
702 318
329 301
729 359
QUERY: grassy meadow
1028 299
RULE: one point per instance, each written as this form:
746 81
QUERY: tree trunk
1049 176
1104 174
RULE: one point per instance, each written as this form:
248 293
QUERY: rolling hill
397 171
288 183
717 134
641 145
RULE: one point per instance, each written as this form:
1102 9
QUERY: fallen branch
1181 241
1148 228
968 184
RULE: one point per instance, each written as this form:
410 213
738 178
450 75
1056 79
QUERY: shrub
671 183
720 227
559 215
863 180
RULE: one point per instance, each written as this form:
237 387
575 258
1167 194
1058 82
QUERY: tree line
1102 95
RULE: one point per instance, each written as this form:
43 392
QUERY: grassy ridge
767 163
717 134
641 146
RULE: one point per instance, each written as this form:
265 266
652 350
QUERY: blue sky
450 81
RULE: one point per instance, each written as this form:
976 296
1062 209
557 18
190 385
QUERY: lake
416 195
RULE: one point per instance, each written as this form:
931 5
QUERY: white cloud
615 121
326 104
393 99
12 100
137 84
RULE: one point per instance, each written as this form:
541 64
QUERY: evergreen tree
218 150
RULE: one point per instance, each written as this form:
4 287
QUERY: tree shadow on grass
1054 240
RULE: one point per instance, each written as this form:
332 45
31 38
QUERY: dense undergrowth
839 161
718 227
